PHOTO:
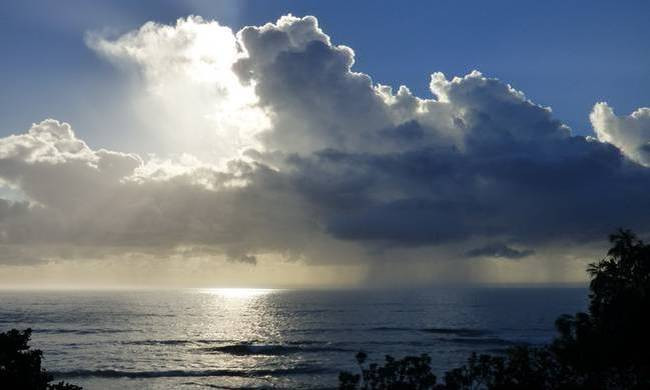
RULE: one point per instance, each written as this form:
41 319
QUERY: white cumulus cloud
631 133
187 96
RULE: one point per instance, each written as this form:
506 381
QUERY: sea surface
253 338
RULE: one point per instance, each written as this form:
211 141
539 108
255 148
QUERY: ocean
258 338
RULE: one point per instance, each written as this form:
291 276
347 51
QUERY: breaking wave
191 373
244 349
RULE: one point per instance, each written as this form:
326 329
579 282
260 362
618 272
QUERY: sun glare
240 293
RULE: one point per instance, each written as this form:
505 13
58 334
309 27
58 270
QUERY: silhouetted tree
606 348
20 366
610 345
522 367
411 372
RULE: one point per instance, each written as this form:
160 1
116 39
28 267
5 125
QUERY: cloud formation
631 133
81 198
343 170
185 93
499 250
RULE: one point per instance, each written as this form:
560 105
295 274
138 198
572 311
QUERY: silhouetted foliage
606 348
521 368
411 372
20 366
610 345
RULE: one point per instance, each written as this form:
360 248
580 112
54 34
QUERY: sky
205 143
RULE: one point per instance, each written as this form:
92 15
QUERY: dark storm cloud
579 192
499 250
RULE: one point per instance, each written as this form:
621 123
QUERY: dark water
239 338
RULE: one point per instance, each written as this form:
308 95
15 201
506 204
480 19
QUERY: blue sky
564 54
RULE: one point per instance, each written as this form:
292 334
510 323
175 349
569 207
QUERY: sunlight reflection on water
240 315
239 293
267 338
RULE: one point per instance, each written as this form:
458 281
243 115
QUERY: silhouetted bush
20 366
521 368
411 372
610 346
606 348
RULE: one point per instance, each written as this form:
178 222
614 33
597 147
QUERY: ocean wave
191 373
324 330
294 386
435 342
174 342
465 332
481 341
245 349
317 311
390 329
82 331
305 342
226 387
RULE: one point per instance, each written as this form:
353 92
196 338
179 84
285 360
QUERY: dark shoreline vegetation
20 366
605 348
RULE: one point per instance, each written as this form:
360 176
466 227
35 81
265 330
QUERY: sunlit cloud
185 91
